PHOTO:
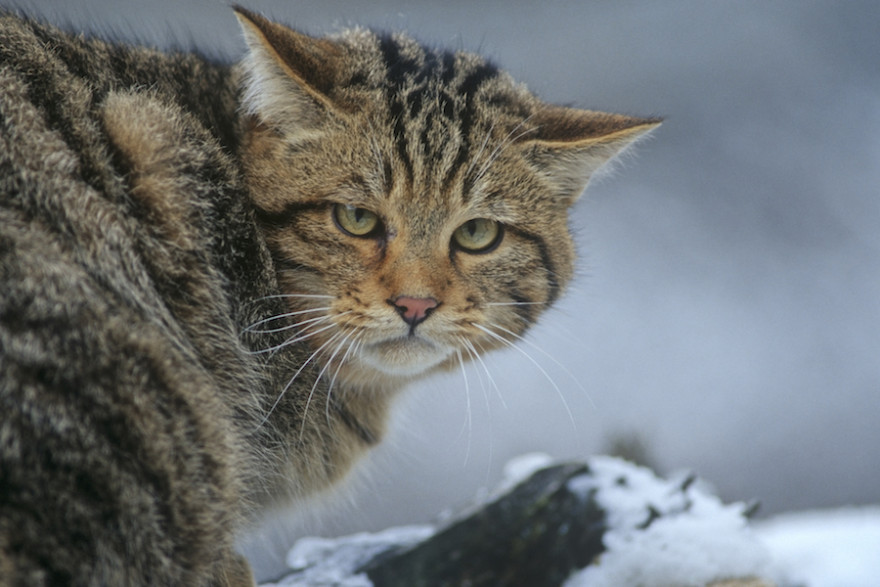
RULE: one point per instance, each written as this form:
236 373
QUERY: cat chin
404 357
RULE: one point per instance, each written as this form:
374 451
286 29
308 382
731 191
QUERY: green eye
356 221
479 235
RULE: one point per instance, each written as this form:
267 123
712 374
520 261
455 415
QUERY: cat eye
479 235
355 221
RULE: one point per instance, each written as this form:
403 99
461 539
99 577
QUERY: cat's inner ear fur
288 76
571 145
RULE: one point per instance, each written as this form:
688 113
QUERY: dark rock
535 535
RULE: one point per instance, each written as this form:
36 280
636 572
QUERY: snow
662 532
666 532
333 561
520 468
835 548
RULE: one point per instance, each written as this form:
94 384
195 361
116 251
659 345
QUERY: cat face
415 202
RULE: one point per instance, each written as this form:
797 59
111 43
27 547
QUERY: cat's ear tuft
571 145
289 76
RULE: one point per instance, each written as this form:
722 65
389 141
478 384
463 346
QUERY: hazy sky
727 308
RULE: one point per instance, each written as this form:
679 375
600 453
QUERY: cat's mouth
405 355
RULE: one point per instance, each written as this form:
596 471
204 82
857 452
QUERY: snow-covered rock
601 523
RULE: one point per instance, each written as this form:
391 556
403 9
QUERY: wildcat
215 278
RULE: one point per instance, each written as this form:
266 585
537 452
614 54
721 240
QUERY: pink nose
414 310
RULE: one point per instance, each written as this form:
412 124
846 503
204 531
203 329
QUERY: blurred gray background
727 309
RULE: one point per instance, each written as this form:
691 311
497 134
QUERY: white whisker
253 327
341 337
516 303
472 351
298 338
348 351
293 378
470 354
467 393
306 332
480 151
290 295
506 142
551 357
536 364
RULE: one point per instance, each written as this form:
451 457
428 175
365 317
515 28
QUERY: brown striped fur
187 334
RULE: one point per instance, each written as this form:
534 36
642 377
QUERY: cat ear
571 145
288 75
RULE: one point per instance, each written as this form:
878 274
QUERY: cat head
415 201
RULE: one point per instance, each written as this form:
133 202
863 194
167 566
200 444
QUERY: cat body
215 278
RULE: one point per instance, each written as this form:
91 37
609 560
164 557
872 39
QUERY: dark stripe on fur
524 308
469 88
284 217
546 260
352 423
284 263
398 71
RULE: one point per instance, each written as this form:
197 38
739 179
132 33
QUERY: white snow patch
661 534
320 562
833 548
520 468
